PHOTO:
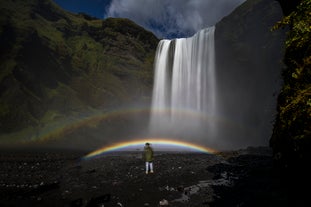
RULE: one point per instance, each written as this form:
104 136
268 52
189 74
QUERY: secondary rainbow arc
62 128
141 142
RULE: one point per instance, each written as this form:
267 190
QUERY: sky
165 18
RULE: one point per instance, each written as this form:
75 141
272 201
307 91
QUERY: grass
93 63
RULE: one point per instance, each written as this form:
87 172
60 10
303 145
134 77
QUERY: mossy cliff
54 64
291 139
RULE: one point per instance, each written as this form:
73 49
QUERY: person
148 157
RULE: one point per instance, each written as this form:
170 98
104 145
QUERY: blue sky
165 18
95 8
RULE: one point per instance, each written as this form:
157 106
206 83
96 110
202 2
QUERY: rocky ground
60 178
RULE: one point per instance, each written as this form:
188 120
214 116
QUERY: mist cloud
173 18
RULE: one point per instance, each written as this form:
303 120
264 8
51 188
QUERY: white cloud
167 18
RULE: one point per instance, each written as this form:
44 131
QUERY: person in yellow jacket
148 157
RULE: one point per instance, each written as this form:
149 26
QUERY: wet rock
163 202
180 188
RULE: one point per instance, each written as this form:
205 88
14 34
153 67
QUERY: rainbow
62 128
153 141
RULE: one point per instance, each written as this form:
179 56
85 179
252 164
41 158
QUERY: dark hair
147 143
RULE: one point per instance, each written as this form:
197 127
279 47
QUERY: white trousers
149 166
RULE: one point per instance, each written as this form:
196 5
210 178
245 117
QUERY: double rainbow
62 128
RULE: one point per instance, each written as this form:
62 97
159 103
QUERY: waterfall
184 83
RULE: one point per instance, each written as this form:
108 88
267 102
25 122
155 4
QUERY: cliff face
256 53
291 139
55 64
289 6
249 62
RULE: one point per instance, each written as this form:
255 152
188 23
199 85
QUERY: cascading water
184 84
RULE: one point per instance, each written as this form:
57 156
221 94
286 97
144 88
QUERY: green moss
291 139
63 64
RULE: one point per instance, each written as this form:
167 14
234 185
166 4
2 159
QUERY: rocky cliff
291 140
249 61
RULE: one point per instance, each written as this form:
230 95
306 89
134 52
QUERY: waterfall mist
184 93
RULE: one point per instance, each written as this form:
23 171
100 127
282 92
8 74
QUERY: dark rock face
56 64
288 6
248 59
